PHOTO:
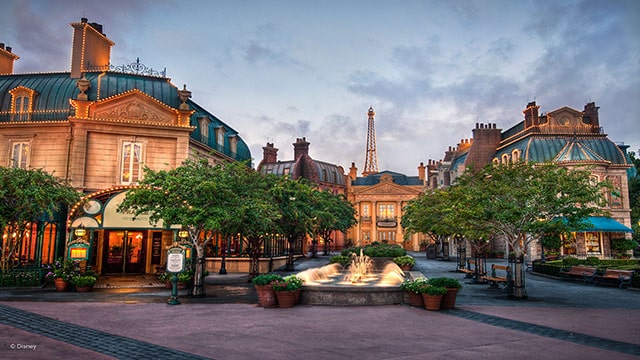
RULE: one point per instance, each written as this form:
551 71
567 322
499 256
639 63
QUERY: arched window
22 103
515 155
505 158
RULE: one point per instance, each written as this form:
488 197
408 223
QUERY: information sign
175 260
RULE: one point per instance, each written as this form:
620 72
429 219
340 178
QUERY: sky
276 71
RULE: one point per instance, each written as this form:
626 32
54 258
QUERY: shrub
288 283
414 285
266 279
571 261
592 261
377 250
433 290
83 281
405 260
340 259
446 282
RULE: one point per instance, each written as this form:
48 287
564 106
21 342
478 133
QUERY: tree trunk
516 285
198 288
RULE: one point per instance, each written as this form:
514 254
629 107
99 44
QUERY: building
328 177
97 126
565 136
379 197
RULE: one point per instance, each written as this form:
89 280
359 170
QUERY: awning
605 224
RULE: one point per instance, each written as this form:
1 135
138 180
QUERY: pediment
389 189
134 106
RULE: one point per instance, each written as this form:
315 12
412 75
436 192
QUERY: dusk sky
279 70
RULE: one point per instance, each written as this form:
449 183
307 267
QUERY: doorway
124 252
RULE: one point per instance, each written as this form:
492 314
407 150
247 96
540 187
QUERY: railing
42 115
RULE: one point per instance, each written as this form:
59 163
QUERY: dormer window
233 143
515 155
220 136
203 123
21 103
505 158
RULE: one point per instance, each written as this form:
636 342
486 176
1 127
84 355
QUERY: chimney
269 154
531 115
421 171
484 143
353 171
590 116
300 147
6 59
91 49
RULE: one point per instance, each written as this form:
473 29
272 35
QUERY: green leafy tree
25 196
521 202
195 195
294 199
331 213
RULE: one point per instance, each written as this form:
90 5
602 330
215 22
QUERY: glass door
124 252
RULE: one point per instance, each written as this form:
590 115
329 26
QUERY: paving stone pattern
582 339
108 344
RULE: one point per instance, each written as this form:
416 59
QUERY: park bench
621 277
496 279
468 270
586 273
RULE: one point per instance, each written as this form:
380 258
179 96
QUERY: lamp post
291 237
223 262
80 231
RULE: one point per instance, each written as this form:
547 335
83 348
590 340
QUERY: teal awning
605 224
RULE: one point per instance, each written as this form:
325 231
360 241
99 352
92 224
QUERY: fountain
363 282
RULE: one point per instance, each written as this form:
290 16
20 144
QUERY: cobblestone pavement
599 321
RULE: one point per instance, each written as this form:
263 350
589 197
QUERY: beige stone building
97 126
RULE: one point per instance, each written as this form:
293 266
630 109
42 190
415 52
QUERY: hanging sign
175 260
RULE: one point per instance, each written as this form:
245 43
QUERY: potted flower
60 272
264 287
287 290
83 283
405 262
452 285
166 277
432 296
413 288
183 279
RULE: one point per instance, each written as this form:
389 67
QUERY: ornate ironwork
137 68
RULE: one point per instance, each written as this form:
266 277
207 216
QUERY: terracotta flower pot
266 296
449 299
61 284
416 300
432 302
286 299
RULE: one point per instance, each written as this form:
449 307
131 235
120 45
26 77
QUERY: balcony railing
42 115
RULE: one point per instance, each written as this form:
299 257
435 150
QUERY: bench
495 280
586 273
468 270
621 277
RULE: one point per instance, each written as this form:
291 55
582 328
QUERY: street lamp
183 234
80 231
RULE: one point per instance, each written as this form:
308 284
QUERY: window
592 243
365 210
515 155
131 169
20 155
386 212
220 137
505 158
387 236
21 103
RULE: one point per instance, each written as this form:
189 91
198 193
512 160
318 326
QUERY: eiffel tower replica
371 158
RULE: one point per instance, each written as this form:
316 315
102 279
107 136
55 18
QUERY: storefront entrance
124 252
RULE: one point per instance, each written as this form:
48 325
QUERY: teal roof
399 179
55 89
540 148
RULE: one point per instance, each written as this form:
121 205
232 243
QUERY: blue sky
279 70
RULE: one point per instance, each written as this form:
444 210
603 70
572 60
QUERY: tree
25 196
294 201
331 213
195 195
521 202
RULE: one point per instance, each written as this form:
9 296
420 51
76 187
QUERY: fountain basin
351 295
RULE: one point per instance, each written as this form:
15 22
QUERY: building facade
98 126
567 137
328 177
